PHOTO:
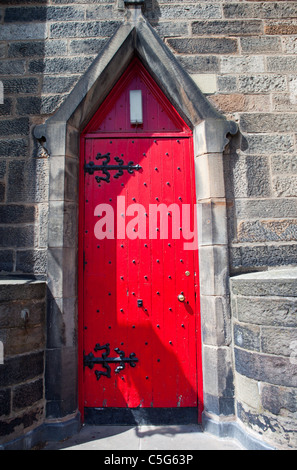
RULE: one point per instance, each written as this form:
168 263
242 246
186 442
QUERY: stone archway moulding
60 136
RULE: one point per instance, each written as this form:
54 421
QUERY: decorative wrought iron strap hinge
106 168
90 360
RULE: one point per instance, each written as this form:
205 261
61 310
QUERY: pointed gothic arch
60 136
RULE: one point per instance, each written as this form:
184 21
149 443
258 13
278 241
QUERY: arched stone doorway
61 138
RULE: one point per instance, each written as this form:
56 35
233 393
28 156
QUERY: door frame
81 290
60 138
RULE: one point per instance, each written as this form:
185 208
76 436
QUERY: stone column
209 143
61 351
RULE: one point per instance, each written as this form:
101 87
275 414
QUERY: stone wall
241 54
22 332
264 307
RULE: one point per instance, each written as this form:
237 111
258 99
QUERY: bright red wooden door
136 266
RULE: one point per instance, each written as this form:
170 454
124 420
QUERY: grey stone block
226 84
62 278
242 64
27 394
213 262
275 399
281 64
277 282
21 289
247 337
263 83
268 122
14 86
83 29
285 186
62 322
21 368
212 229
62 224
278 341
6 107
41 48
266 311
35 105
268 208
15 32
227 27
15 237
200 10
12 67
260 44
31 261
247 10
247 176
262 256
2 192
54 84
267 230
204 45
169 28
276 370
218 375
5 398
14 127
60 65
215 320
6 261
87 46
104 12
199 64
61 382
14 147
268 143
28 181
2 169
284 164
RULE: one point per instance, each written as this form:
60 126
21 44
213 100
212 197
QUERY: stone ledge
276 282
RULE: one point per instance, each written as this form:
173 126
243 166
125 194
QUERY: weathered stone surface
227 28
21 368
27 394
247 337
242 64
280 28
268 208
267 230
203 45
268 122
262 83
278 431
285 186
266 311
260 44
284 164
247 176
277 370
278 341
279 400
278 282
83 29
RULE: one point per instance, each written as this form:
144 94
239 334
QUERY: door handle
181 297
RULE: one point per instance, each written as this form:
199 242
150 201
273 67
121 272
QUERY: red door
139 296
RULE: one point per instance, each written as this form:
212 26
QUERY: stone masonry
242 54
265 351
